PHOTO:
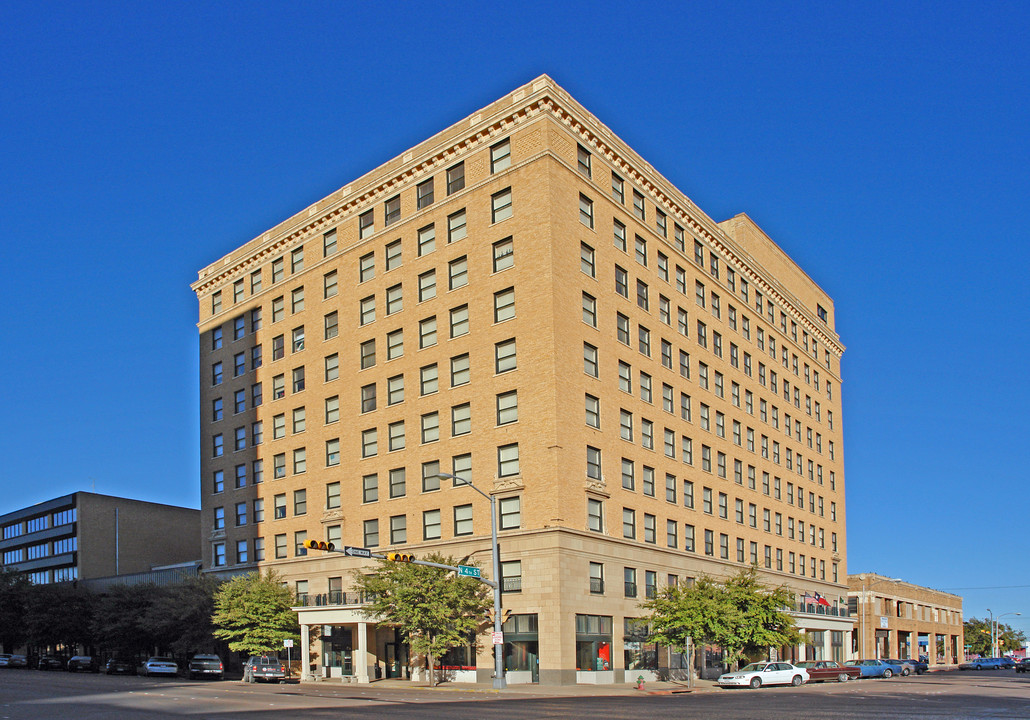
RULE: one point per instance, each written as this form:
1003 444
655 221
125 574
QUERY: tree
180 615
434 609
741 615
14 592
118 619
59 614
253 613
978 637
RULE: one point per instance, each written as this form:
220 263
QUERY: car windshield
754 667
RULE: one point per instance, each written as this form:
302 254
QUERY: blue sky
884 146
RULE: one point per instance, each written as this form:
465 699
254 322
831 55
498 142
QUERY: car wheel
843 677
906 672
755 683
796 680
888 673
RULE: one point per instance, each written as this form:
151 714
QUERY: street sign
468 571
498 638
356 551
288 643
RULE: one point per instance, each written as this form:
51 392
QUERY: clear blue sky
885 146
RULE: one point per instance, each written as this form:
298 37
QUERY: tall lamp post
995 650
499 679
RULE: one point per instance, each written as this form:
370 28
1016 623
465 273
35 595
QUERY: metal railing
333 597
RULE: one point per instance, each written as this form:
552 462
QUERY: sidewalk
622 689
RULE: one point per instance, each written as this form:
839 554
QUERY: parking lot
34 695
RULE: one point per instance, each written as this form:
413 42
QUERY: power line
989 587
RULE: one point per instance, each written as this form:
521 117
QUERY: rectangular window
458 273
426 286
595 515
395 344
500 156
504 305
509 509
590 366
456 227
586 211
504 254
460 374
427 332
462 520
455 178
366 224
638 205
371 533
430 427
508 460
501 206
507 407
424 194
583 160
398 483
431 524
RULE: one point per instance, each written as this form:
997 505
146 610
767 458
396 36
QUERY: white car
159 666
758 674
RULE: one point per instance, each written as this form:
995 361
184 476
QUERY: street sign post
356 551
469 571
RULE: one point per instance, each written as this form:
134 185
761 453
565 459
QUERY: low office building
897 619
524 302
86 535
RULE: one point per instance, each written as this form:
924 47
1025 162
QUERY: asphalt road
33 695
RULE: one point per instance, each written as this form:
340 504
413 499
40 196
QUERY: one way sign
357 551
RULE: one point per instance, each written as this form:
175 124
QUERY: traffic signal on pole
319 545
400 557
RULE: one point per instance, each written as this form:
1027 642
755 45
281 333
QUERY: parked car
83 663
7 660
874 668
758 674
205 666
905 667
159 666
919 666
1006 663
1023 665
50 662
120 666
823 670
981 664
263 667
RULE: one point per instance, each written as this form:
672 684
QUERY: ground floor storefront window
521 649
638 654
337 651
593 643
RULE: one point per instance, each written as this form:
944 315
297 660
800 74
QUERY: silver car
159 666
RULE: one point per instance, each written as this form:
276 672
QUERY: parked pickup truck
206 666
822 670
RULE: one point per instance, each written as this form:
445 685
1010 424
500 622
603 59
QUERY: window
618 189
619 234
507 407
504 356
278 309
366 225
395 344
332 326
431 524
463 520
332 452
626 425
590 360
500 156
504 305
628 474
427 332
629 523
661 223
622 328
644 340
458 273
430 427
424 194
638 205
455 178
396 436
394 299
426 287
593 411
504 254
629 576
621 282
640 245
509 509
688 538
583 160
642 298
589 310
428 379
459 321
430 475
369 442
593 463
586 211
460 370
366 267
461 419
369 488
456 227
398 483
508 460
332 369
371 533
501 206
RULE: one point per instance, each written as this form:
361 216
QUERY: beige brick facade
714 407
896 619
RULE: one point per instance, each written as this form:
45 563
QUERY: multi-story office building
84 535
896 619
524 302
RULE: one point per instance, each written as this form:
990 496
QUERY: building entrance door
396 659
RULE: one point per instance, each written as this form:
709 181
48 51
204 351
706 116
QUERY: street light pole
499 680
995 638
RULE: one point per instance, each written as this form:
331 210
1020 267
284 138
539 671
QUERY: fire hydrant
640 682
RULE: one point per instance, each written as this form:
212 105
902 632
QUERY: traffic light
319 545
400 557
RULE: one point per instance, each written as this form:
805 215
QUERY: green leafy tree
433 609
118 619
59 615
180 615
253 613
14 593
741 615
978 637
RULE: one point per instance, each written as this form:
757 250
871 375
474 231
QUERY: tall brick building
523 301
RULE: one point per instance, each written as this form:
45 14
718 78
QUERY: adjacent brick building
523 301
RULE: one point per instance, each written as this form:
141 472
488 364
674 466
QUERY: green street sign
468 571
